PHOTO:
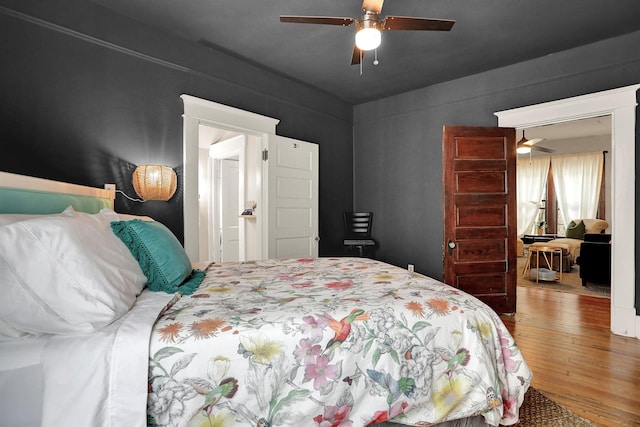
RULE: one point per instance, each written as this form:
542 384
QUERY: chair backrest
358 224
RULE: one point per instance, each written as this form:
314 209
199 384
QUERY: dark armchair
595 259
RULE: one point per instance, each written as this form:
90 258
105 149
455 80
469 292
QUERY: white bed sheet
100 379
21 382
97 379
16 354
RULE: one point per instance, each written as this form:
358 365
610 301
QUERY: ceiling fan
526 145
370 25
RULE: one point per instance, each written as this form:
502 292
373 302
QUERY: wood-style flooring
575 359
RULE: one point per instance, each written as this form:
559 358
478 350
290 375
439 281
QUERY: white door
229 202
227 166
291 169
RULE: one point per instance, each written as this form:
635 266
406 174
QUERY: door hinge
265 155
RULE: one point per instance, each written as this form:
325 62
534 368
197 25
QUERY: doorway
620 104
201 114
229 182
573 137
281 184
576 137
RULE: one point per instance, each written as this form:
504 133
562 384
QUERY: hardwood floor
575 359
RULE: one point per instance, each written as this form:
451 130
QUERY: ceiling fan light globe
368 38
523 149
368 32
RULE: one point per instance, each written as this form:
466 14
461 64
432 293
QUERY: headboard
29 195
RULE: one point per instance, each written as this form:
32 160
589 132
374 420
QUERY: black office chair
357 233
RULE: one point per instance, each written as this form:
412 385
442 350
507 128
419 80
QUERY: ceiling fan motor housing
368 31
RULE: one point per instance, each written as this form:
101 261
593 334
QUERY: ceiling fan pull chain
375 57
360 53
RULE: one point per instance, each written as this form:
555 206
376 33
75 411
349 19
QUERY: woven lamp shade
154 182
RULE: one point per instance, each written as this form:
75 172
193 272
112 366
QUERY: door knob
451 246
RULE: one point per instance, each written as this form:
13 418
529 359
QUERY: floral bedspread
330 342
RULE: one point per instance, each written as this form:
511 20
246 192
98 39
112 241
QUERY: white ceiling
595 130
208 135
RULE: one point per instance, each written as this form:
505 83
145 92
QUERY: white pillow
65 274
6 219
106 212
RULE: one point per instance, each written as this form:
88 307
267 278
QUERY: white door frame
196 112
620 104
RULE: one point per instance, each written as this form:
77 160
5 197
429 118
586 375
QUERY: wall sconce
155 182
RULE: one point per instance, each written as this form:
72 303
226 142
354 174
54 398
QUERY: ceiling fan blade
324 20
543 149
410 23
529 142
373 6
357 55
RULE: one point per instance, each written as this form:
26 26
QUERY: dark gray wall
88 94
398 140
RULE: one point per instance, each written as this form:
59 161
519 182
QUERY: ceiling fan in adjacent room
370 25
526 145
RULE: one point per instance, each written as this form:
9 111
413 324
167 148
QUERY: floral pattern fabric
330 342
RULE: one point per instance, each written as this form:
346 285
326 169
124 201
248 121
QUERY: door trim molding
620 104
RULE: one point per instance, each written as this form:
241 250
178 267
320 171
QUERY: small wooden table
548 252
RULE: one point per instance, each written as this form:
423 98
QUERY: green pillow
160 256
575 230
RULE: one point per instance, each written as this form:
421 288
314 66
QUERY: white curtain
577 178
531 178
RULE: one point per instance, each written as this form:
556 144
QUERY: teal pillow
160 256
575 230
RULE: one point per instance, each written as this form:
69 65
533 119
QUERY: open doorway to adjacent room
583 137
228 180
620 104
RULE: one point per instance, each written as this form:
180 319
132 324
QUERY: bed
326 342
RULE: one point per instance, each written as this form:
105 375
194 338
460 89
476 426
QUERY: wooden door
479 179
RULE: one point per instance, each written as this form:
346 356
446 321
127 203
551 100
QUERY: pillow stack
579 227
64 274
70 273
